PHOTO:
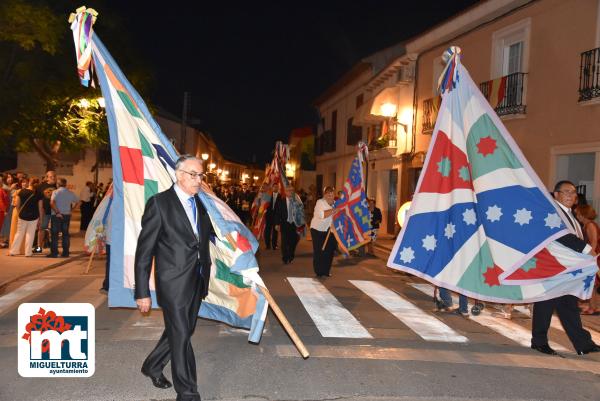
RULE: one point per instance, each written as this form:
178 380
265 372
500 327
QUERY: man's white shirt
184 199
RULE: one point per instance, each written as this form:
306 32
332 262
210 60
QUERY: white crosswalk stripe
507 328
425 325
328 314
10 300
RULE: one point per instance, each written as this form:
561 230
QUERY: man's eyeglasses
568 192
194 175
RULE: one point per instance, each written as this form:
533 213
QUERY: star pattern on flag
491 276
486 146
522 216
444 166
449 231
464 174
469 217
553 220
429 242
587 282
530 264
407 255
576 272
494 213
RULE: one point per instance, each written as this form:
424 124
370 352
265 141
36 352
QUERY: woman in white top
319 227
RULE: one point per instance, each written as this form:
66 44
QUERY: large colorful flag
275 174
143 163
481 222
352 225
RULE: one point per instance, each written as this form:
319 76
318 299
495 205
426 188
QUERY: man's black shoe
544 349
52 255
593 348
160 381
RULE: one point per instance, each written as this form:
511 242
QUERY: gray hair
183 158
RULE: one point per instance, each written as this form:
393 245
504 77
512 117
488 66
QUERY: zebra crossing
318 300
424 323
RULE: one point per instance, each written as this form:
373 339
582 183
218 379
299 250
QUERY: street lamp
212 166
204 156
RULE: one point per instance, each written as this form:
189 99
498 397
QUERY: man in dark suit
175 233
565 195
289 235
270 232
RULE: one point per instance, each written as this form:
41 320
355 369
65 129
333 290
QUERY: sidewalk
12 268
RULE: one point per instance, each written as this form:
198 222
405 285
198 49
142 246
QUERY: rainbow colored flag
481 223
143 163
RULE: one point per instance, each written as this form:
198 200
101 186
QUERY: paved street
372 334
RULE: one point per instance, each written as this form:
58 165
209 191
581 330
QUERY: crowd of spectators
33 213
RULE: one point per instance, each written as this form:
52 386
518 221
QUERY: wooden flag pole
87 268
278 312
285 323
326 239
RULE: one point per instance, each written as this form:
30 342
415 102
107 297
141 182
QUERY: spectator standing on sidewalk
62 202
463 303
87 206
5 202
28 216
586 215
44 191
376 219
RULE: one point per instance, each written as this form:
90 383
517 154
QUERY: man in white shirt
565 195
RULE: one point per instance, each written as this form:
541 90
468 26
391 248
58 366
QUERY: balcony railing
505 94
431 107
589 75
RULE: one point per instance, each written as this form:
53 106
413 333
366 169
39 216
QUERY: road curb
40 270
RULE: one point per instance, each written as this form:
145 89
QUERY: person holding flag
175 235
323 244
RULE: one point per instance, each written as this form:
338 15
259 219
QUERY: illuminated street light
388 109
84 103
255 178
204 156
212 166
219 171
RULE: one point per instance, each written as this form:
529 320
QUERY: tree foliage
40 92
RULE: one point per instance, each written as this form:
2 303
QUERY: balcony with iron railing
589 75
506 94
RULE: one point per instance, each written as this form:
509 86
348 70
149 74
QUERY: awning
370 112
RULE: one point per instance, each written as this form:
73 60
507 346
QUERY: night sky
254 69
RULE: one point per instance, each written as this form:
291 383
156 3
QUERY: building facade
535 62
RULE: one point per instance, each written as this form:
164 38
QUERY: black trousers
175 345
289 240
87 212
106 281
270 233
322 258
568 313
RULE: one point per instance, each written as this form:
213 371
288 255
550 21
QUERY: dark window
333 131
319 145
354 133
